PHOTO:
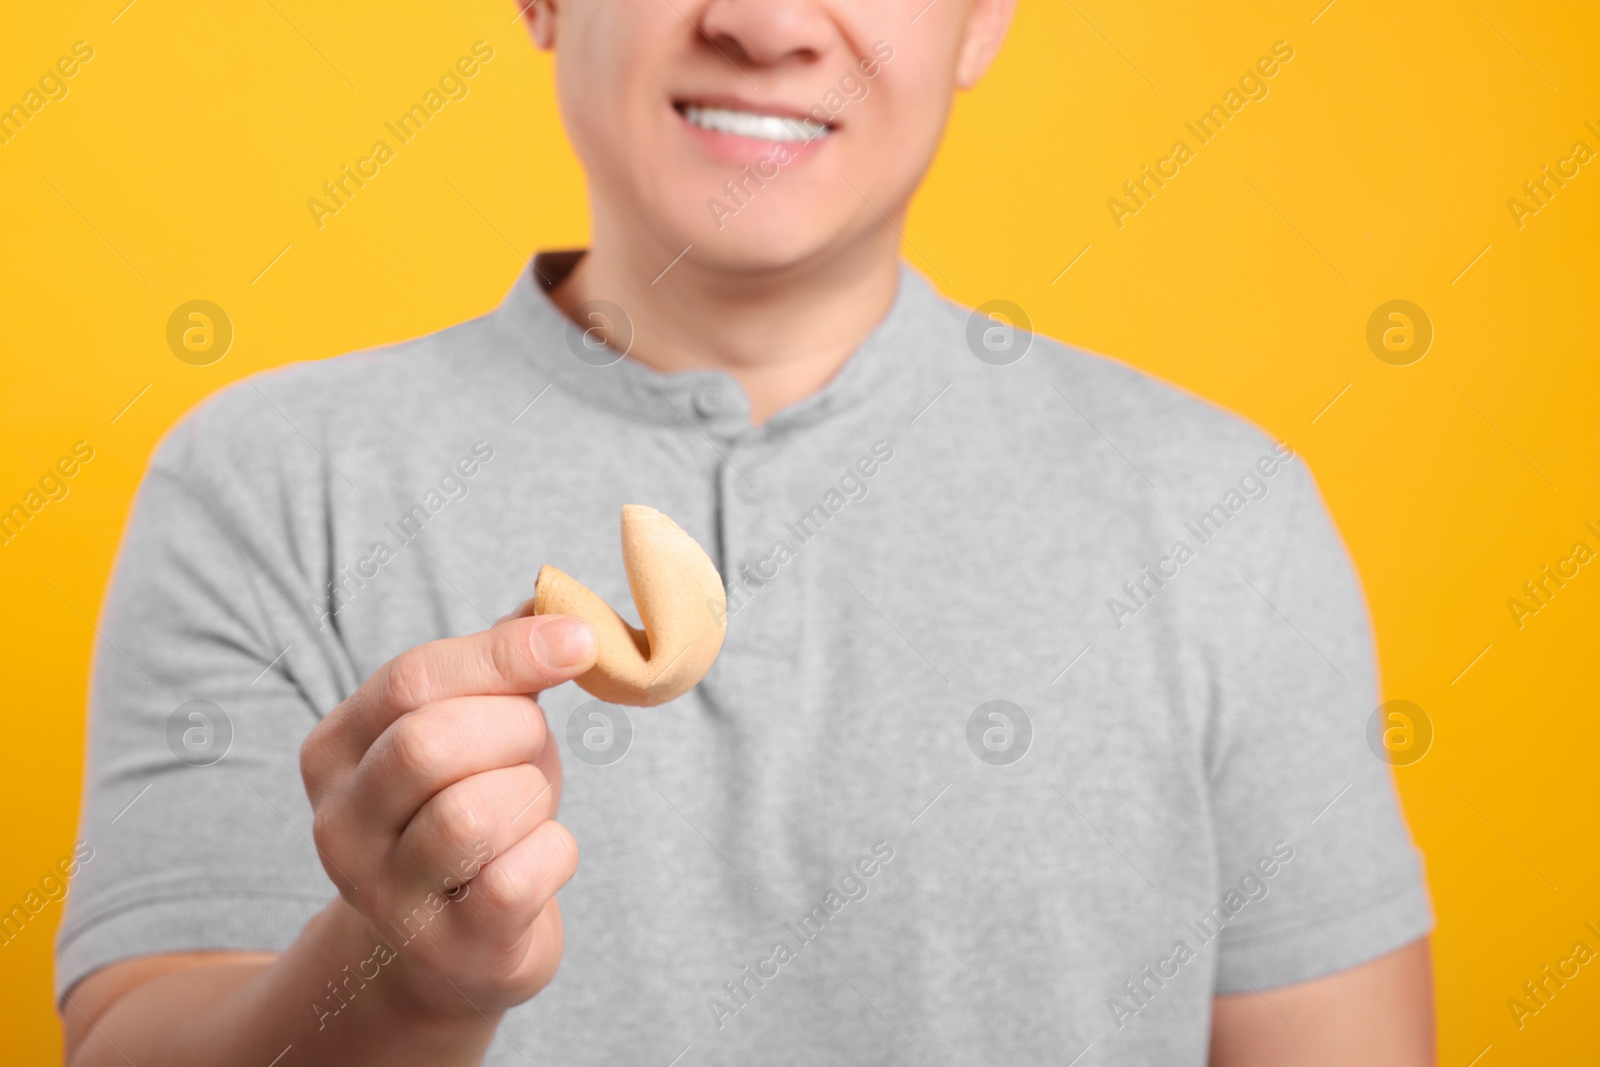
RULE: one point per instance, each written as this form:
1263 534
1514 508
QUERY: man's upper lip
731 102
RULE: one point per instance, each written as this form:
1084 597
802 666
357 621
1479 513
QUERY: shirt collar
711 400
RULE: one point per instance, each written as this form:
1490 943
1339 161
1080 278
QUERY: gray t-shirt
1041 718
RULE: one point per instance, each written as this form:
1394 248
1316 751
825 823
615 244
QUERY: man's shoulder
370 401
1138 409
1157 425
1145 448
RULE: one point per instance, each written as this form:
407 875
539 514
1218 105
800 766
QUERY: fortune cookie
680 600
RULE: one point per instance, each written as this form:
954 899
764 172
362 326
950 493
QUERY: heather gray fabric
829 851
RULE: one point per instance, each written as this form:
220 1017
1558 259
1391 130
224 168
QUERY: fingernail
563 642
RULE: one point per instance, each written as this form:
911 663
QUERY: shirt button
711 400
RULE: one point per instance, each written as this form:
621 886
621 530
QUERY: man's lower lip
731 148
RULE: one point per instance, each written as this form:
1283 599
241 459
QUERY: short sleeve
208 673
1316 868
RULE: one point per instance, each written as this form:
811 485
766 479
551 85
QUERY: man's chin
765 249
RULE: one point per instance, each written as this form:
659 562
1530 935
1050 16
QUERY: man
1038 731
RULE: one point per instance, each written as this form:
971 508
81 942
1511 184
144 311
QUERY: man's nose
768 33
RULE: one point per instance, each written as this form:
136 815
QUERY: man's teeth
758 127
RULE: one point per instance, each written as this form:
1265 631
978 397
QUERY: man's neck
781 334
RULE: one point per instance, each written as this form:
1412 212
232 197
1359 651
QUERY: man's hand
434 788
435 791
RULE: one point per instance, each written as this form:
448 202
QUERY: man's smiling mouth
784 129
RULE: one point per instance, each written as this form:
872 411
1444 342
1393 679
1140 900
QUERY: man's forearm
313 1004
1377 1014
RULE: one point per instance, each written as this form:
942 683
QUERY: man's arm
1378 1014
231 1007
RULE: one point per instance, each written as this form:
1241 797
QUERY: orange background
1378 167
